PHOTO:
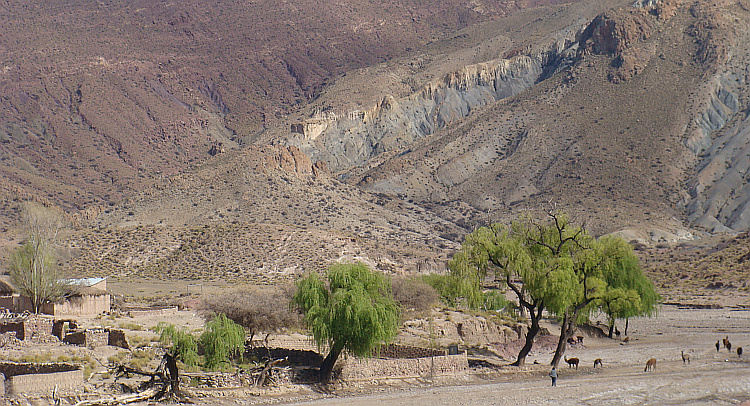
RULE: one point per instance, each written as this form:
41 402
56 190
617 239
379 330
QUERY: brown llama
725 341
598 361
739 352
717 346
685 357
650 364
572 361
729 346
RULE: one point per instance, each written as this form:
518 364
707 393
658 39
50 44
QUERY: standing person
553 375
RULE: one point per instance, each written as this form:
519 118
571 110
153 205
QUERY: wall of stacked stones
369 368
407 351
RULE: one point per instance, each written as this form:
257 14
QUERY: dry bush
258 309
414 295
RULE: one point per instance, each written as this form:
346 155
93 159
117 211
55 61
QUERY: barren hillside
255 141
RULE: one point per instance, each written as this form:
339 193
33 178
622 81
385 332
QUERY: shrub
256 309
494 300
414 294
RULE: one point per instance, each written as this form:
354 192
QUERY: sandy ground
711 377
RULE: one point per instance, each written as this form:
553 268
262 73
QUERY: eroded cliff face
346 141
720 137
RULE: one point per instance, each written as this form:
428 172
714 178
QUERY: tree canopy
354 311
33 269
555 266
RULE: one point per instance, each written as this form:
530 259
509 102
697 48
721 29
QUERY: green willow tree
354 311
221 340
551 265
535 276
629 292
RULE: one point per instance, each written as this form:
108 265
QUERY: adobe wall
135 312
117 338
89 338
83 305
16 328
369 368
43 383
16 303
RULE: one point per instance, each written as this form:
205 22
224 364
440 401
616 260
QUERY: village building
83 297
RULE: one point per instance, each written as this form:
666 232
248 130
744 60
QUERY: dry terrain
711 377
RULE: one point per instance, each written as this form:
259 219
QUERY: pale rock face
720 137
392 124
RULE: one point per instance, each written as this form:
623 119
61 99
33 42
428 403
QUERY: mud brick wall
369 368
407 351
88 338
117 338
16 328
10 369
43 383
136 312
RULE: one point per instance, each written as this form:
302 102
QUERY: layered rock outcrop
349 140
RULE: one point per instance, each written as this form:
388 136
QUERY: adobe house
83 297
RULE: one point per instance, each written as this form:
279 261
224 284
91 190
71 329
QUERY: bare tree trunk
627 321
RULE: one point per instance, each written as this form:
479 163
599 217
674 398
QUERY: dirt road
711 377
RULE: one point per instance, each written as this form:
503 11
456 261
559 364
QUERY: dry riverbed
711 377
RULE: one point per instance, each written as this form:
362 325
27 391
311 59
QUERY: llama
571 362
739 352
729 346
650 364
725 341
717 346
598 361
685 357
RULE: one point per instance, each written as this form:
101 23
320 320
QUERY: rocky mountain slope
213 145
637 120
99 100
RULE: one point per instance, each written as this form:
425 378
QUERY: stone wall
89 338
38 328
371 368
407 351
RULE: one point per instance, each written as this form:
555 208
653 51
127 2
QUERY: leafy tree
33 268
504 251
354 311
629 292
221 340
184 345
551 266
